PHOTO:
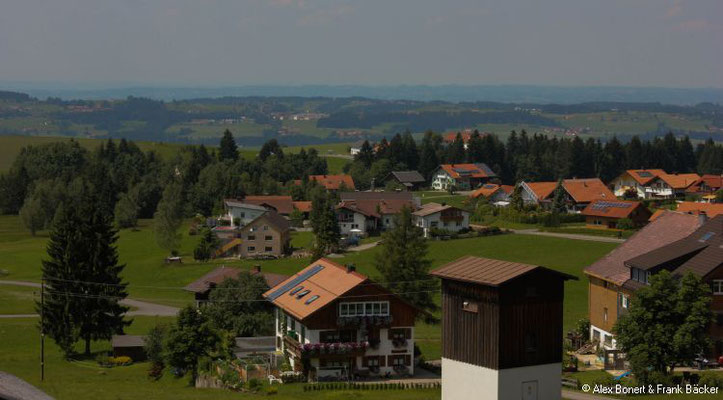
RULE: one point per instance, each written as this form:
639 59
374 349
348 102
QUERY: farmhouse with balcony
441 216
461 176
611 281
606 214
706 187
365 212
578 193
266 236
632 183
201 287
332 321
669 186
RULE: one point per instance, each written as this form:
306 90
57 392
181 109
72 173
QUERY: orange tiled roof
329 283
303 206
332 182
611 209
450 137
714 182
587 190
478 170
643 176
542 190
486 190
282 204
711 209
679 181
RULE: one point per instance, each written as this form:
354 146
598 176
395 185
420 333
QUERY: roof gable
282 204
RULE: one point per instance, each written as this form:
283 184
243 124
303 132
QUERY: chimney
350 268
702 218
257 268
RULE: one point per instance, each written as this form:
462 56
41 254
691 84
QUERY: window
717 286
243 215
354 226
303 293
311 299
252 237
372 361
268 249
303 334
623 300
266 227
370 308
295 290
640 275
268 237
251 249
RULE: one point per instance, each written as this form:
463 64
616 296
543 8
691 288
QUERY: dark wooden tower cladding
500 315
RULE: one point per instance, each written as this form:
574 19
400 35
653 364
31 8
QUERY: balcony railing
292 345
347 348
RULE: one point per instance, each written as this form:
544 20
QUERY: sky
662 43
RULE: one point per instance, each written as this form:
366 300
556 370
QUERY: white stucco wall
426 221
462 381
246 215
359 220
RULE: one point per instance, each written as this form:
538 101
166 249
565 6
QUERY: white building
240 213
441 216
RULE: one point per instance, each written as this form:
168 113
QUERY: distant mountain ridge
452 93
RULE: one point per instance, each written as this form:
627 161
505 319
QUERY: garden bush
711 379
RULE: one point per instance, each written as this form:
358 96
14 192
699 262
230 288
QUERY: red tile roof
282 204
374 207
486 190
643 176
711 209
611 209
581 190
667 228
714 182
303 206
679 181
478 170
333 182
450 137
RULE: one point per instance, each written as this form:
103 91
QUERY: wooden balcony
292 345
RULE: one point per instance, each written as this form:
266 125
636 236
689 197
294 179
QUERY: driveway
141 307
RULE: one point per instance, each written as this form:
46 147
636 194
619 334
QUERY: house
608 294
578 193
449 137
14 388
283 205
332 183
269 235
355 148
239 213
669 185
132 346
632 183
706 186
332 321
710 209
201 287
411 180
606 214
304 207
700 253
461 176
494 193
501 329
441 216
365 212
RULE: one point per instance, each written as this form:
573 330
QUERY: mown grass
18 299
84 379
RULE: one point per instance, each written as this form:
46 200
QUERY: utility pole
42 329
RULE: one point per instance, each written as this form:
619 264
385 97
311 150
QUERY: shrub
272 390
711 379
625 224
254 384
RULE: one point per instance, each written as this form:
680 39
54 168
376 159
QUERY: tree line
535 157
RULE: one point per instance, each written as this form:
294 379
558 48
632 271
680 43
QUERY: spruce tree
168 218
455 151
324 224
366 154
403 262
227 149
83 286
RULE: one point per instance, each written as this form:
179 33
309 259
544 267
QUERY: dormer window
303 293
295 290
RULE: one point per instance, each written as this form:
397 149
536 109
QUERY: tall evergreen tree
82 276
475 150
428 159
228 149
455 151
365 155
168 218
324 224
403 262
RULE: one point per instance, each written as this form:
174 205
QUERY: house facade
494 193
239 213
632 183
609 291
461 176
269 235
410 180
365 212
605 214
441 216
667 186
333 322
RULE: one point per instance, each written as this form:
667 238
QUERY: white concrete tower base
462 381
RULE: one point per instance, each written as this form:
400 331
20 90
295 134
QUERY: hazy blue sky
238 42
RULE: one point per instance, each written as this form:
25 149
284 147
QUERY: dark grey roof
241 204
127 341
408 176
14 388
246 346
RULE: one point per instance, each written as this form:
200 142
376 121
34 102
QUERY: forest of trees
536 157
130 183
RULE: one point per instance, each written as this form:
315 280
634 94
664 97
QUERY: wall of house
620 183
600 222
602 300
276 246
429 221
359 222
441 180
528 197
716 327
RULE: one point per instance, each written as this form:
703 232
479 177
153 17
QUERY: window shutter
407 359
382 360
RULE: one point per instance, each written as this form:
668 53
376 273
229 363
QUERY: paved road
568 235
141 307
365 246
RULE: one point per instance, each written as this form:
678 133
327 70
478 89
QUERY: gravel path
141 307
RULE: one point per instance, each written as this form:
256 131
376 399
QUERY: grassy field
432 196
18 299
84 379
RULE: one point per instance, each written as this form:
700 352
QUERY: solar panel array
489 186
644 174
462 171
604 205
295 281
487 170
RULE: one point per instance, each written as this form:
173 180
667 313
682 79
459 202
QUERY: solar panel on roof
487 170
489 186
603 205
644 174
295 281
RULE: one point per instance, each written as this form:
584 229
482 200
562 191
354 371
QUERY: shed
132 346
